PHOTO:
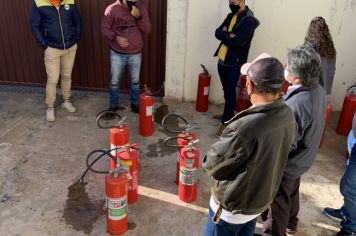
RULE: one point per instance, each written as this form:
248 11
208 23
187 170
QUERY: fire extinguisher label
149 111
206 91
188 176
189 163
132 183
117 208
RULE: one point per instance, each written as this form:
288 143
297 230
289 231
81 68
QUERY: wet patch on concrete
159 149
132 225
80 212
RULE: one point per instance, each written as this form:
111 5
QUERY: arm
106 25
221 32
225 156
241 34
144 22
77 23
36 26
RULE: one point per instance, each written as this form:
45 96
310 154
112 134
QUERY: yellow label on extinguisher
126 162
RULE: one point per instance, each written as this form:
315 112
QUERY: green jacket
246 165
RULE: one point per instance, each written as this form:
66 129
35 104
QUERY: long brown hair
319 36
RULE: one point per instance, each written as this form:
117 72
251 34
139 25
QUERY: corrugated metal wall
21 59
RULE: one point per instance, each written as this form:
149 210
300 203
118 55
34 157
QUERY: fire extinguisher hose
103 154
351 89
165 126
115 115
167 142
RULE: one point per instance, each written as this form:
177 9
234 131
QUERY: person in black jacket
307 99
246 165
56 26
235 34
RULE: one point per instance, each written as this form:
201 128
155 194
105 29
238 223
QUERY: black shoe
345 232
135 108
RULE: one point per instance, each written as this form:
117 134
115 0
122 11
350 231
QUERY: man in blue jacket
235 34
56 26
307 99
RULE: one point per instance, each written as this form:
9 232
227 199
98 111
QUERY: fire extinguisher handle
204 69
165 127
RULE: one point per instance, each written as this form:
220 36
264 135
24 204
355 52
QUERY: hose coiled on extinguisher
102 114
190 142
149 92
103 154
173 130
351 89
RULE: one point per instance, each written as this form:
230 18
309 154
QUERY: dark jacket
55 28
309 107
239 46
246 165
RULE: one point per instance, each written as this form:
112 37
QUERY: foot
135 108
217 117
334 214
50 115
69 106
345 232
220 130
291 230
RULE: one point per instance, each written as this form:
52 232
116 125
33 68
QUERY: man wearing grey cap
246 165
347 213
307 99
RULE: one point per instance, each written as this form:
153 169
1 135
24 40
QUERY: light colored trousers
59 62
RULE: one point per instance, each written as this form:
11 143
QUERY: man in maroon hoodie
124 24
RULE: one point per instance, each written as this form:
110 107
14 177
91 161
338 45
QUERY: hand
123 42
135 12
224 29
232 35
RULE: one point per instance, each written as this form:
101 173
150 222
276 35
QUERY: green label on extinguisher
117 208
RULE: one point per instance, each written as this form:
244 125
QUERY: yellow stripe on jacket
223 49
46 3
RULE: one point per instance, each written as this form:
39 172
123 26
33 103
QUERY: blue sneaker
334 214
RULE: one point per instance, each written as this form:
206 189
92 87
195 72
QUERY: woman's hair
319 36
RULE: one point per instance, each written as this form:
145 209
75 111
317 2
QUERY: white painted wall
191 41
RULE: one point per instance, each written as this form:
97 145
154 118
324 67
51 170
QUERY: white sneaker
68 106
50 115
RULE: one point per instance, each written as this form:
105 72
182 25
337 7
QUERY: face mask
130 4
234 8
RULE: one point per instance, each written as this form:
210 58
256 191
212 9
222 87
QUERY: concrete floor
39 161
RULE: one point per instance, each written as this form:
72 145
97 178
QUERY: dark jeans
284 208
223 228
229 76
348 190
118 64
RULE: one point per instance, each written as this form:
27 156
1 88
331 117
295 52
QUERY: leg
134 68
67 62
294 210
229 76
52 63
248 229
280 208
348 190
118 64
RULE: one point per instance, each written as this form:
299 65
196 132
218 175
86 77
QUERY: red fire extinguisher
347 112
184 137
116 202
243 100
327 117
146 113
188 176
127 159
188 168
203 90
